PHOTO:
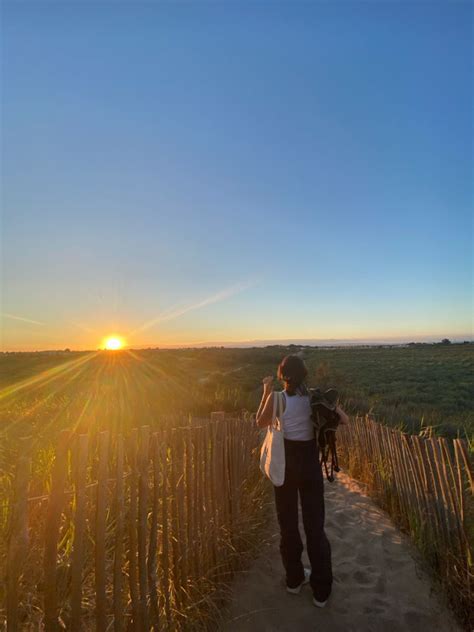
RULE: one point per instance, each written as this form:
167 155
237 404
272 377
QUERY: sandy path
377 587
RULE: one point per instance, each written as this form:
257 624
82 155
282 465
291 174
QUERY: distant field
403 386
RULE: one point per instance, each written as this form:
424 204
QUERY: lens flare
113 343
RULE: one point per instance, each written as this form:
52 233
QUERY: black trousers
303 474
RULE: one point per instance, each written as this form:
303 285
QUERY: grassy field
407 387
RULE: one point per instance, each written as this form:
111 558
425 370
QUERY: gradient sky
191 172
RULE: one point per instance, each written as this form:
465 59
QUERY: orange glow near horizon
113 343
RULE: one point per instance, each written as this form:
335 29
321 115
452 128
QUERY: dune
380 583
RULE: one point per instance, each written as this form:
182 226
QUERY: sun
113 343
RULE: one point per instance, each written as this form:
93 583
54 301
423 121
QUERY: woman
302 474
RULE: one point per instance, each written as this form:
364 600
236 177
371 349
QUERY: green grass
403 386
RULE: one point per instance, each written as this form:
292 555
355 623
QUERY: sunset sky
177 173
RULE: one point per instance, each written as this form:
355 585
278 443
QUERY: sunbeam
159 371
46 377
21 319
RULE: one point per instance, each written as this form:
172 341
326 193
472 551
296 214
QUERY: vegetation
408 387
137 531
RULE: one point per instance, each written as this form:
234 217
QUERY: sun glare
113 343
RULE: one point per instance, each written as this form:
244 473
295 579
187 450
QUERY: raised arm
265 410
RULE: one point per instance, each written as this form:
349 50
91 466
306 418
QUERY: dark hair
292 371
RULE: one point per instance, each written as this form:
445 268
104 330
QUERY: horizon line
262 342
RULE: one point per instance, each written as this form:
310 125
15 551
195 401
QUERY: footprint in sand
335 532
395 564
341 578
378 606
363 559
340 610
380 586
413 619
379 601
375 623
346 567
362 577
374 610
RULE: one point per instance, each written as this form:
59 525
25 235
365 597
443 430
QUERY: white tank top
297 424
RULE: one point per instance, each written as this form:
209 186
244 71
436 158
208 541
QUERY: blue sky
192 172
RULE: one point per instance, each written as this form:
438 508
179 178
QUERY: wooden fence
426 483
130 532
135 532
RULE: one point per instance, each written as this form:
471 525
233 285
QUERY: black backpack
325 420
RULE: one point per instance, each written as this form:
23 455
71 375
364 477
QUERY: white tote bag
272 452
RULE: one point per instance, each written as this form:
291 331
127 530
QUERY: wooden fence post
143 460
175 544
78 553
461 447
165 553
119 534
189 504
153 542
181 506
197 505
100 530
211 484
437 492
132 531
52 526
416 481
216 493
206 561
18 542
218 415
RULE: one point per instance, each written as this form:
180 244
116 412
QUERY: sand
379 583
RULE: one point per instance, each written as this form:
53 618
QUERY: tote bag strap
277 409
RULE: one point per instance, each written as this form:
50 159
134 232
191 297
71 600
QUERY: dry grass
207 514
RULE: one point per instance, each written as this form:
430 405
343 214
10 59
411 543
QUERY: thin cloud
214 298
22 319
85 328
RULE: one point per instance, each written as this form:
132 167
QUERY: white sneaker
319 604
295 591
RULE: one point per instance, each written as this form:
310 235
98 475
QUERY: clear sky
194 172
